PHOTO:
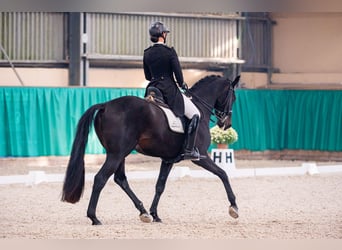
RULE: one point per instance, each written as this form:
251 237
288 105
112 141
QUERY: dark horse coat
130 122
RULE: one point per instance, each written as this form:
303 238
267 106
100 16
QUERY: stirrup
193 155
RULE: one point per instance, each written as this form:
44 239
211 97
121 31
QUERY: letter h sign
224 158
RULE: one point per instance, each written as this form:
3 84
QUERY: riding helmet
157 29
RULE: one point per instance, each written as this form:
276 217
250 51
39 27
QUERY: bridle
228 107
221 115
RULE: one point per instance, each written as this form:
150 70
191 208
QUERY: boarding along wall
41 121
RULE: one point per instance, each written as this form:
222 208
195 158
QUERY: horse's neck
206 92
205 99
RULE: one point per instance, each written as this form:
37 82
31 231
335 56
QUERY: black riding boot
190 152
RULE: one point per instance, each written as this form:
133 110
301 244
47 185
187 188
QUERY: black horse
129 123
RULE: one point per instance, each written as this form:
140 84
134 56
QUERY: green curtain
42 121
288 119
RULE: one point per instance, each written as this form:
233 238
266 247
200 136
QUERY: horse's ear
236 81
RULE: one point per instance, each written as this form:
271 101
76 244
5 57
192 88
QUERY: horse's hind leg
121 179
100 180
165 169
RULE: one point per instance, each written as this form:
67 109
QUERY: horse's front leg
121 179
165 169
209 165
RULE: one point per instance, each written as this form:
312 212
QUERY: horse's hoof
233 212
145 218
96 222
157 220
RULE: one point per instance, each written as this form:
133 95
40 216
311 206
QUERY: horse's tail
74 179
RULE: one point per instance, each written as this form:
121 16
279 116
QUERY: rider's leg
189 108
191 112
190 152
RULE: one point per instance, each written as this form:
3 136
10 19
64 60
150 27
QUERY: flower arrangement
220 136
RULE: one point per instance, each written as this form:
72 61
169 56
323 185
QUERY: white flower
220 136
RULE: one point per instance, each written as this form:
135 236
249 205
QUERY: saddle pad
175 123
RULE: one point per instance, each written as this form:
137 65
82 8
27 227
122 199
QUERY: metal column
78 62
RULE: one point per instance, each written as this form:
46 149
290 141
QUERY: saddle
155 95
175 123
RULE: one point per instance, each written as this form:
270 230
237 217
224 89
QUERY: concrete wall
34 77
134 77
307 48
307 42
98 77
307 52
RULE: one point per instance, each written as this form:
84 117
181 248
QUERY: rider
161 64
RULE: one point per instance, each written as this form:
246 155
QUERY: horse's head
214 92
224 105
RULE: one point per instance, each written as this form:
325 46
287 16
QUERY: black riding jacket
161 64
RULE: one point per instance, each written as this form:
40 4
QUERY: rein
213 111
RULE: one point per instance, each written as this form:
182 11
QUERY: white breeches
189 108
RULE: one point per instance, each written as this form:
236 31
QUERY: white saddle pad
175 123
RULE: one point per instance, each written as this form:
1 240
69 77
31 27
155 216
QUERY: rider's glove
184 87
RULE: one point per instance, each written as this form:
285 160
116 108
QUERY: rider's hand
184 87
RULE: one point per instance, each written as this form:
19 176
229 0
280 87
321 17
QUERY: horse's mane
205 80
